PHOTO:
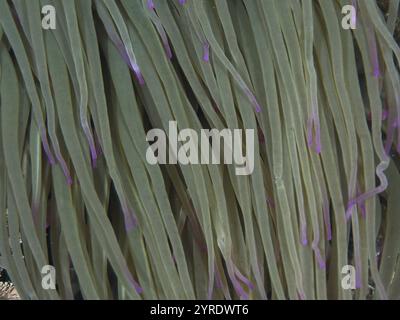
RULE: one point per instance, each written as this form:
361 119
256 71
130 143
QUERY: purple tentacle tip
396 123
244 296
69 180
363 210
309 140
130 222
150 4
329 235
167 48
46 148
182 2
358 280
318 140
304 240
240 291
135 68
242 278
320 259
130 218
374 54
301 295
252 98
93 155
206 52
139 77
385 114
137 287
349 208
377 73
234 275
50 157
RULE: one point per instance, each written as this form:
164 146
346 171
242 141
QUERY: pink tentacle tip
206 52
150 5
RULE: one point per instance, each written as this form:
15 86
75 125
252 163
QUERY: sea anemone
317 218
